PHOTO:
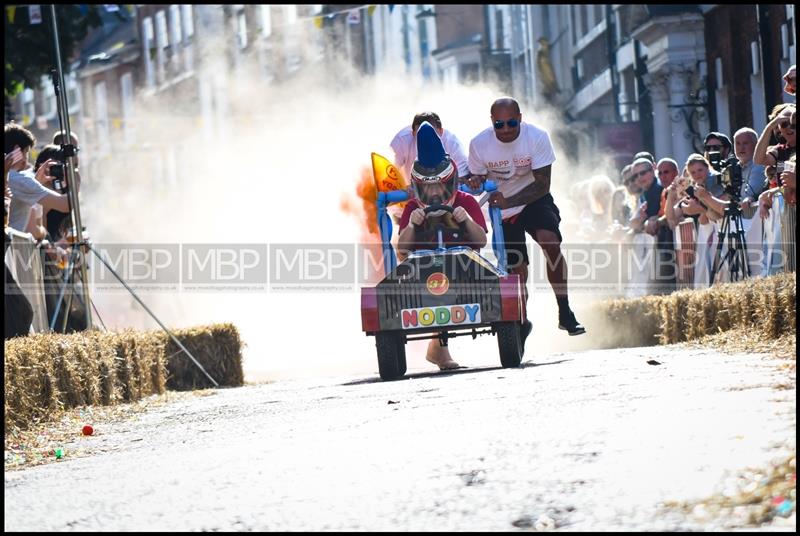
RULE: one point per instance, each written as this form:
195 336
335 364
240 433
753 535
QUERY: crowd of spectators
673 215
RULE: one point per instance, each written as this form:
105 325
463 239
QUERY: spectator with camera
782 125
702 198
27 187
783 129
699 200
716 142
56 222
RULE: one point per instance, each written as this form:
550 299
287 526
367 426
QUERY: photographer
716 142
57 222
27 187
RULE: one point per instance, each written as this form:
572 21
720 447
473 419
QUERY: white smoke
291 152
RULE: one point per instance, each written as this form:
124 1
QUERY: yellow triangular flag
387 177
371 9
11 10
318 22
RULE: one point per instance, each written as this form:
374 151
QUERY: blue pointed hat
430 151
431 159
432 166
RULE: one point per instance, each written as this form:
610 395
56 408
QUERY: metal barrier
24 261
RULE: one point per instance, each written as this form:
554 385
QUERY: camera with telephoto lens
730 172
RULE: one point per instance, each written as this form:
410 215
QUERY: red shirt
450 237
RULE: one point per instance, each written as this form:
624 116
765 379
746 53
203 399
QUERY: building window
470 73
175 26
241 22
28 108
73 93
149 51
573 17
785 41
598 14
126 85
499 34
50 104
101 116
291 13
584 11
161 44
755 61
266 20
188 22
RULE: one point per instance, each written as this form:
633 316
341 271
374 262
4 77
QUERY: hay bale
766 305
47 372
217 348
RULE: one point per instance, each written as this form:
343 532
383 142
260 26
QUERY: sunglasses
513 123
642 173
713 147
786 125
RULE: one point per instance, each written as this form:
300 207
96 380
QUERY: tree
30 51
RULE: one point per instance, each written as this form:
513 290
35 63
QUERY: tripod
69 152
736 253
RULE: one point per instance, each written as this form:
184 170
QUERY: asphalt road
595 440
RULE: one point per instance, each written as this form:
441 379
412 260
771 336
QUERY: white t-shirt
404 146
511 165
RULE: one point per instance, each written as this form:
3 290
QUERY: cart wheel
391 355
509 343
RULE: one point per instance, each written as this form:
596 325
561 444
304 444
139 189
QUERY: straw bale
217 348
763 305
48 372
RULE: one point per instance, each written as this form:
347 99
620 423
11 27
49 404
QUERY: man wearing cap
518 157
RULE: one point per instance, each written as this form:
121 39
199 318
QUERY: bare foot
440 356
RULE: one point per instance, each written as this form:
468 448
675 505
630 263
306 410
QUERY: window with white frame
266 20
175 26
188 21
147 30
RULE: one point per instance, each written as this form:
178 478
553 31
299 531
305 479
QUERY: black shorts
541 214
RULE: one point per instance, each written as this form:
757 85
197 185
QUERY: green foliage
30 48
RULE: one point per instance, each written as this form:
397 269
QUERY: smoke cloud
285 169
